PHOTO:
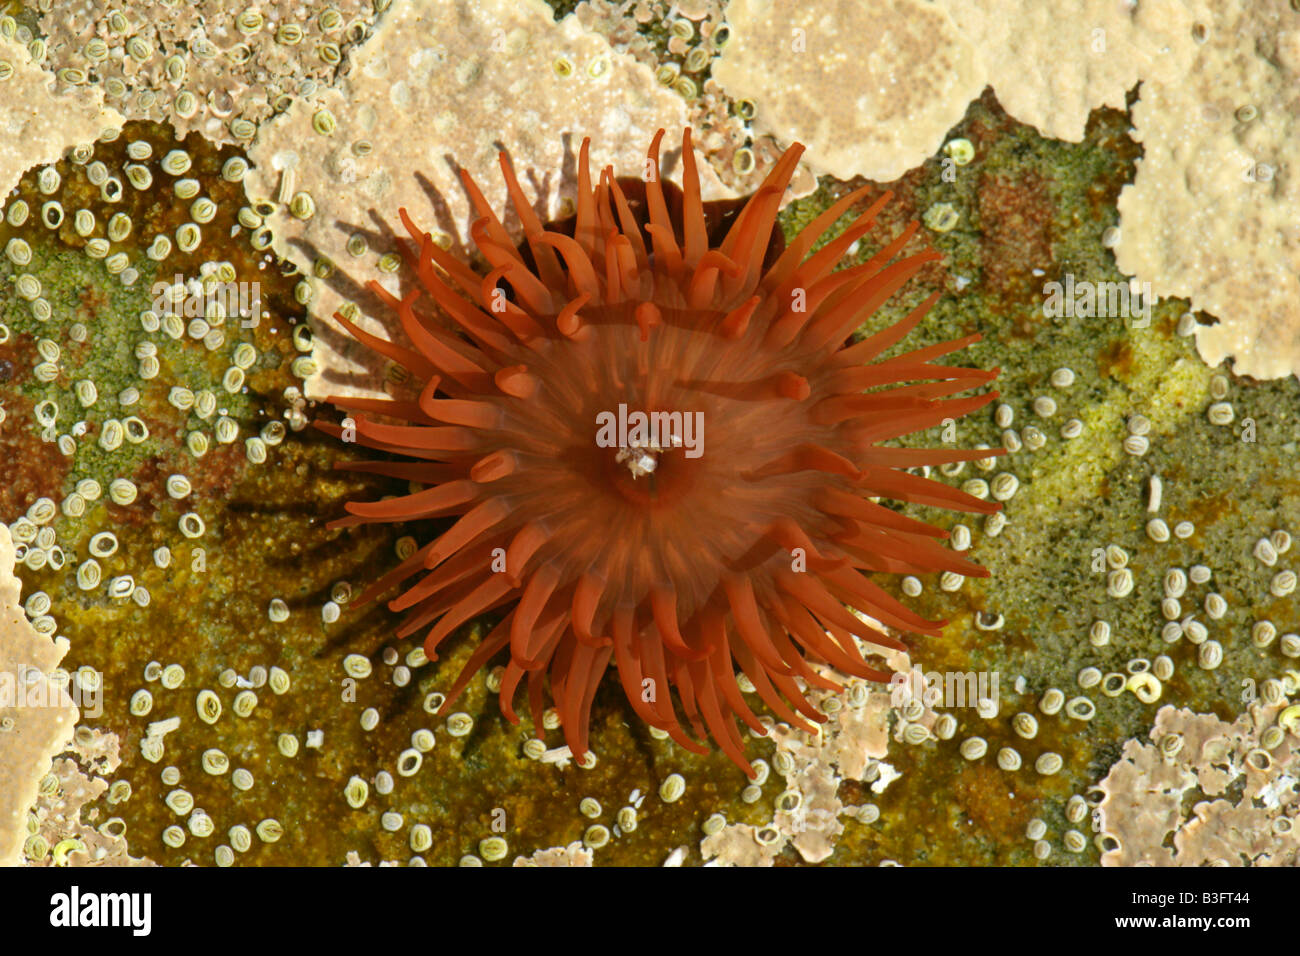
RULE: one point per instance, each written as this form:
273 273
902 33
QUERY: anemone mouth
659 453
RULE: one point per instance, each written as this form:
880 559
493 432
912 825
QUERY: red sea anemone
733 538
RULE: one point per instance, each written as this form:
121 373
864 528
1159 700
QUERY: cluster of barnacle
82 238
679 42
66 827
1205 792
212 67
99 428
1143 677
218 767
